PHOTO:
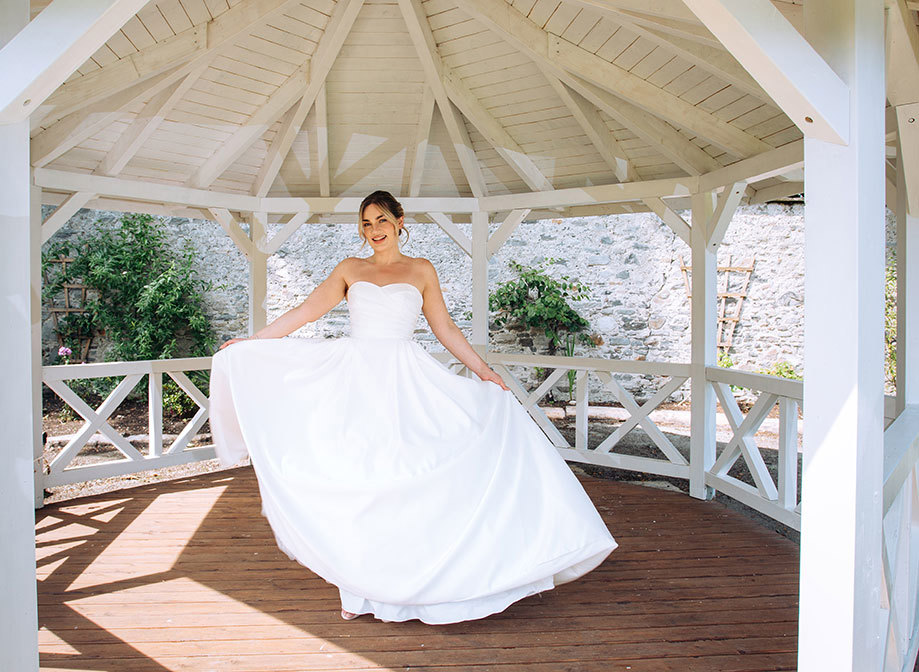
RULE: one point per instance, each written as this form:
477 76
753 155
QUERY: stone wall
638 305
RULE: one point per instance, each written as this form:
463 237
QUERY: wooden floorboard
186 575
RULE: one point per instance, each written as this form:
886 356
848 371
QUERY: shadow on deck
185 575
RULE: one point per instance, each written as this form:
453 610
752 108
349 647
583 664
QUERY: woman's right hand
231 341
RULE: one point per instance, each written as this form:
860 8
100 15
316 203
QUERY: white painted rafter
902 55
590 122
52 46
522 34
186 49
658 133
305 83
651 98
788 68
147 121
492 130
322 141
420 33
422 137
280 146
780 161
715 60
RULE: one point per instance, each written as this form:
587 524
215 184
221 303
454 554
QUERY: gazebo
269 115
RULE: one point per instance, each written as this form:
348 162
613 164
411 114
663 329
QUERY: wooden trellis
79 293
731 294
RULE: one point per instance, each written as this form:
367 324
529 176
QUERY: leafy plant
537 301
148 304
782 370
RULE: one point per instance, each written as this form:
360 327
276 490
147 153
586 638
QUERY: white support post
20 394
258 273
704 326
841 578
907 289
480 282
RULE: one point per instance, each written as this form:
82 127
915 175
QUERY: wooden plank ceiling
420 97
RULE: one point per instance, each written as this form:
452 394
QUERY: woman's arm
321 300
446 331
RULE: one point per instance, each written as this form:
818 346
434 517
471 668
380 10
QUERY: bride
420 494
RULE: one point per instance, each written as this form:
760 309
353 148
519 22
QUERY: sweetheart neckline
367 282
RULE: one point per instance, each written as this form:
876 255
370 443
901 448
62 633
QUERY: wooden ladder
729 302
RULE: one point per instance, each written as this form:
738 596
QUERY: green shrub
147 302
539 302
782 370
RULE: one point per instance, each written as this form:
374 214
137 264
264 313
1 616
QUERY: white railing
62 468
778 500
670 463
900 545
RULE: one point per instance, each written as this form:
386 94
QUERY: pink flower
64 351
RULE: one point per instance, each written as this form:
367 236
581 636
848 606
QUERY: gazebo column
20 394
843 353
703 350
258 272
479 339
907 277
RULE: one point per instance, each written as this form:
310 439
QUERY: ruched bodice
383 311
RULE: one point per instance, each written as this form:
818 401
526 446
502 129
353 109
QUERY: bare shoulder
424 266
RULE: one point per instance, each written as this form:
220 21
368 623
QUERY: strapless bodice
383 311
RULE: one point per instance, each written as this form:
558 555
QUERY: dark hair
390 207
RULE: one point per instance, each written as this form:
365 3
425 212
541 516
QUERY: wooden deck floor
186 576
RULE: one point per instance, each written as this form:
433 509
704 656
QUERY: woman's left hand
489 375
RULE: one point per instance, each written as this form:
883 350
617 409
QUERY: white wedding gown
417 492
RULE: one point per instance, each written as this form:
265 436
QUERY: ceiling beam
781 161
52 46
902 55
658 133
151 192
291 122
77 126
422 136
186 48
146 122
785 64
594 128
494 132
715 60
522 34
298 85
322 141
423 41
653 99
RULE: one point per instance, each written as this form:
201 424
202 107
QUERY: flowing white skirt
417 492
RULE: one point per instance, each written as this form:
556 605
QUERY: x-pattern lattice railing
900 542
62 470
674 463
778 500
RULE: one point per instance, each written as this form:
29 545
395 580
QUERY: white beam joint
783 62
52 46
728 201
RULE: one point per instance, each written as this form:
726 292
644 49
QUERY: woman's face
381 232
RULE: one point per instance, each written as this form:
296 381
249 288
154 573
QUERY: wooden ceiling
423 98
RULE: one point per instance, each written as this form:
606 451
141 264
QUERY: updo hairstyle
390 207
